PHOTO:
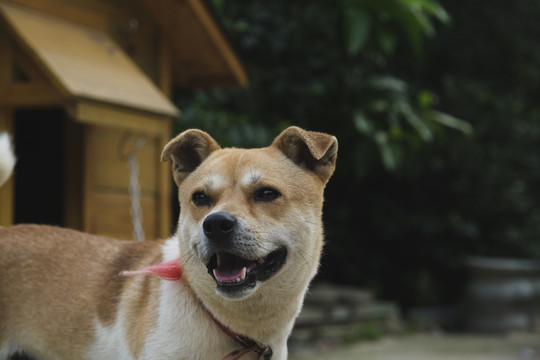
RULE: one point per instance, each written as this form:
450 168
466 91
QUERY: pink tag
169 270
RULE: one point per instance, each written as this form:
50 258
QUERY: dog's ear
187 151
314 151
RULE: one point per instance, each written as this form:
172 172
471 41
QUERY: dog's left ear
314 151
187 151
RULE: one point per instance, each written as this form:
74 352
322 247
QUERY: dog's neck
250 345
172 271
240 315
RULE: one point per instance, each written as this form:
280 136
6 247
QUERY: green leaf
358 24
390 153
362 123
426 99
452 122
432 8
387 41
416 122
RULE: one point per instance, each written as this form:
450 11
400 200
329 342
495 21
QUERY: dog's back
38 300
7 159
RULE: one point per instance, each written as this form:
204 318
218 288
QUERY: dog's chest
182 330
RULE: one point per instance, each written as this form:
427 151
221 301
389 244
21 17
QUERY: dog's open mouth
232 272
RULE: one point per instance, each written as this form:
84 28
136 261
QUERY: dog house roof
197 44
84 64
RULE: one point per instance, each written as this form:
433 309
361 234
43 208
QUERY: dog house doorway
40 169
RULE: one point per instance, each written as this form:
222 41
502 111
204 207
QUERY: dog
229 284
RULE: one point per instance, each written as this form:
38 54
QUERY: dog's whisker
305 256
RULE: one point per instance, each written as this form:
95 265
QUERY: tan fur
52 279
61 295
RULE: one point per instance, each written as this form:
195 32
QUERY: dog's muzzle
231 268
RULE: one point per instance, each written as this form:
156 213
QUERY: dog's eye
266 194
201 199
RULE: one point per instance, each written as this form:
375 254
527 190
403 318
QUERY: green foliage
207 110
374 20
306 62
416 188
385 110
493 81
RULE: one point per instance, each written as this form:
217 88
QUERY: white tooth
214 271
218 259
243 276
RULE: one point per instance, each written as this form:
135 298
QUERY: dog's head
250 217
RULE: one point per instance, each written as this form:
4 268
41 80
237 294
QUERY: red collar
250 345
172 271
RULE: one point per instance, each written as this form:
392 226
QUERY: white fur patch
250 177
7 159
214 182
184 330
110 342
171 249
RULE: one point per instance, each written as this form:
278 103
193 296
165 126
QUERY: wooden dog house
81 83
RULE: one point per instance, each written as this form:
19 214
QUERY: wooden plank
6 62
138 34
88 208
163 171
30 94
7 191
89 13
27 66
219 41
106 201
109 146
33 91
165 66
94 113
200 53
113 217
87 63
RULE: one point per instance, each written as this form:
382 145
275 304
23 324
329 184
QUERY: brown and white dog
230 282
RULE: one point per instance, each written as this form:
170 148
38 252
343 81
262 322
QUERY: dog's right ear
314 151
187 151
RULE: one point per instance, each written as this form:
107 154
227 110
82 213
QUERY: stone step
342 314
336 314
322 294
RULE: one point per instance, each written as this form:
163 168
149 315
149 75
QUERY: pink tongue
228 275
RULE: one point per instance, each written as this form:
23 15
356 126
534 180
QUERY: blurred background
435 105
434 209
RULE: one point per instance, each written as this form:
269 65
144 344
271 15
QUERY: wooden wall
96 197
106 182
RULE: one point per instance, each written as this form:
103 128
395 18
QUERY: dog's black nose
219 226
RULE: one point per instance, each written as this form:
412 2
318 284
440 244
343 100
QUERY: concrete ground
433 347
